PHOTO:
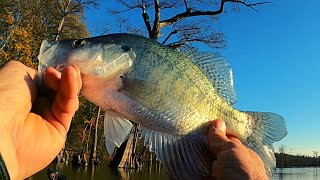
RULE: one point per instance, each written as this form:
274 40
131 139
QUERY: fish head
99 57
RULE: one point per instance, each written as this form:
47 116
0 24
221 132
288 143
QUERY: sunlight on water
308 173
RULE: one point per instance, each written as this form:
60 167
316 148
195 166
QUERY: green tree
25 24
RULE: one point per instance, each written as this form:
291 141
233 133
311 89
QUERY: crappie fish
172 95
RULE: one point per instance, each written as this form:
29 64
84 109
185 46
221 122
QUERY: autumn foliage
24 25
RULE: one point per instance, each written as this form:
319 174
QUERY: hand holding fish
234 160
30 141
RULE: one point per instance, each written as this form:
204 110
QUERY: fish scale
184 86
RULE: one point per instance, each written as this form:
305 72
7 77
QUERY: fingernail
220 125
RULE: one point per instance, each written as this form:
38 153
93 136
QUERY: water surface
307 173
155 172
104 172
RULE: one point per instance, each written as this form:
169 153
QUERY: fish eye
78 43
125 48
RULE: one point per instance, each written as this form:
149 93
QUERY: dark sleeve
4 175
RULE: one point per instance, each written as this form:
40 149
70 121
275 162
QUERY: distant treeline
289 160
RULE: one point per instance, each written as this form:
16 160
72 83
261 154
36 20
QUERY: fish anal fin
185 157
116 129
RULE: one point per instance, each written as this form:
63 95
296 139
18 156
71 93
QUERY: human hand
29 141
234 160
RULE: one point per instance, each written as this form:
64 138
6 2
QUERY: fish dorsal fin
116 130
218 71
185 157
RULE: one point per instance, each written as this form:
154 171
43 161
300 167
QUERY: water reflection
308 173
102 171
155 172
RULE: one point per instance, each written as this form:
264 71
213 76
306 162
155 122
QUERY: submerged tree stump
128 158
125 156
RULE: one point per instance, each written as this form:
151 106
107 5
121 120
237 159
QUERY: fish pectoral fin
218 71
267 129
110 147
185 157
116 130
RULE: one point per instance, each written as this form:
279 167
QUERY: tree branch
156 27
123 11
186 5
64 14
146 18
188 12
249 5
15 26
171 33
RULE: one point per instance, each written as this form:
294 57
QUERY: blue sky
275 56
275 59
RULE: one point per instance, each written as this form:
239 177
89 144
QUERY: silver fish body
171 95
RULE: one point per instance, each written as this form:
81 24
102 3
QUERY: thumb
217 138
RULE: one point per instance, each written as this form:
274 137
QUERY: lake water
308 173
155 172
104 172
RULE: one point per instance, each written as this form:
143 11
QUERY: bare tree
315 155
68 7
95 143
282 150
179 23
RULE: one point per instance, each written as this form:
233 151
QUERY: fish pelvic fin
184 157
267 128
116 130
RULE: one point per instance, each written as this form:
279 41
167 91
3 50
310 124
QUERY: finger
78 77
52 78
47 114
217 136
234 138
217 131
66 102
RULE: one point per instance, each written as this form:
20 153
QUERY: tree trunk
88 138
94 151
150 160
62 21
125 155
140 159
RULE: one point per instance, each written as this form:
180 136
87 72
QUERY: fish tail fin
267 128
